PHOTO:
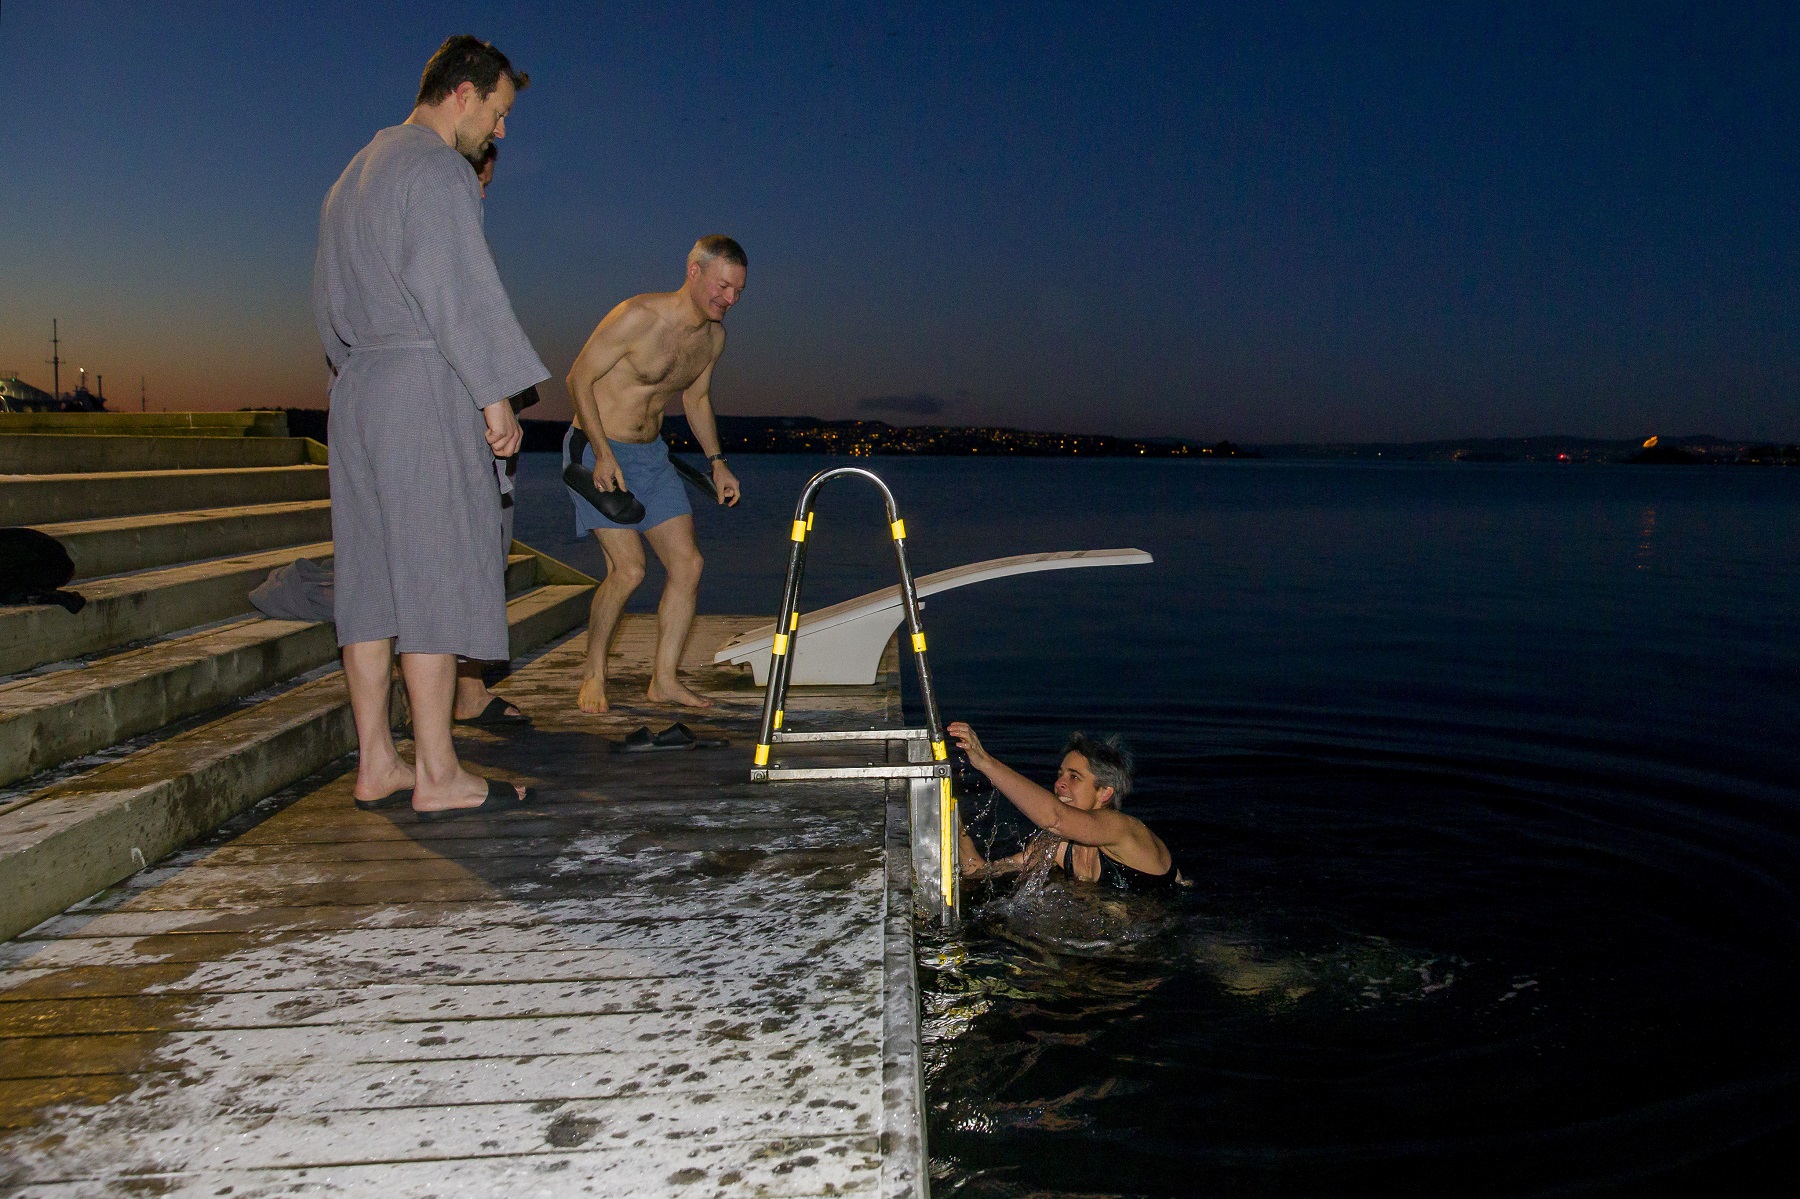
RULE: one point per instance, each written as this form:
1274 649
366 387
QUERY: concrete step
73 453
117 544
70 840
41 499
128 608
52 718
521 573
149 424
545 613
74 838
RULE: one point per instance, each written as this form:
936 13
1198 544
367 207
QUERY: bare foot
675 693
469 791
376 783
593 695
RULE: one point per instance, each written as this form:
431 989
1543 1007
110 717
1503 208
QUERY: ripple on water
1408 974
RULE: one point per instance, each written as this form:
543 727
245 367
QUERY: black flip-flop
677 736
501 797
620 507
696 478
496 714
392 799
637 741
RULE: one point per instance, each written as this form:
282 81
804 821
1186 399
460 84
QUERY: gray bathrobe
420 337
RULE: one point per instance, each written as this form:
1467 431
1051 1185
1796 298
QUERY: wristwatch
715 457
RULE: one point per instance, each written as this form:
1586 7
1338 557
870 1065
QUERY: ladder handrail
787 620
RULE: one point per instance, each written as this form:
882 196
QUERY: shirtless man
648 350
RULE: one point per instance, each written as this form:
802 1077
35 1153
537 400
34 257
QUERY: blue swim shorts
648 474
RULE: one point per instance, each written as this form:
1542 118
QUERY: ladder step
856 735
783 774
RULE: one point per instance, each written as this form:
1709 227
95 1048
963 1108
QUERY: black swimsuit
1117 875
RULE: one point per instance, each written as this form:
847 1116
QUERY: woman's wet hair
1108 761
462 59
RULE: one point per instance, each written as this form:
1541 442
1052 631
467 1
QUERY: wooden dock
661 979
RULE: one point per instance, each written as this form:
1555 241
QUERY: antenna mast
55 364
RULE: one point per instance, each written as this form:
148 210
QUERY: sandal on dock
392 799
501 797
677 736
496 714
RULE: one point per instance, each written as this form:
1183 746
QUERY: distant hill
858 438
1695 448
809 435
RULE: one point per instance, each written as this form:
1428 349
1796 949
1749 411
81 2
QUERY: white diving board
842 644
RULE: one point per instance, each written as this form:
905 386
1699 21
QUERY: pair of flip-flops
677 736
495 715
501 797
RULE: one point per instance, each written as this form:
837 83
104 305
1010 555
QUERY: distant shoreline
859 438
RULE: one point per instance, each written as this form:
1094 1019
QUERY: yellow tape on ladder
781 640
799 533
794 622
947 845
938 751
898 528
777 717
762 755
918 643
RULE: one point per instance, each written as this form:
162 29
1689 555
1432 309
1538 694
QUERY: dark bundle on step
33 568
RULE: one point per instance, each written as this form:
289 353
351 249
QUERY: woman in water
1096 842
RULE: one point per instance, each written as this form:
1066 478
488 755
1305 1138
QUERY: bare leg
472 694
369 673
442 782
624 571
673 541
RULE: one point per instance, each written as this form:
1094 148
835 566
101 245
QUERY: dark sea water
1487 777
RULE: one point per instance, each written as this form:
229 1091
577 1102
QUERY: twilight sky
1263 222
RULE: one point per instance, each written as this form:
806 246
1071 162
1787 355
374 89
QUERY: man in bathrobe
424 352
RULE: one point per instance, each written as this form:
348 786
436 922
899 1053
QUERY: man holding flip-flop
647 351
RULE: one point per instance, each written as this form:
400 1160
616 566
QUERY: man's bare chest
671 364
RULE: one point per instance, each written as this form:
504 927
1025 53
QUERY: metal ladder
935 833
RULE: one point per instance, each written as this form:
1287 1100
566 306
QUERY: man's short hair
717 245
1108 760
462 59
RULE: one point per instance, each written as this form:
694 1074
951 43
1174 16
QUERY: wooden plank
93 945
662 979
489 959
771 1168
825 1030
260 1140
